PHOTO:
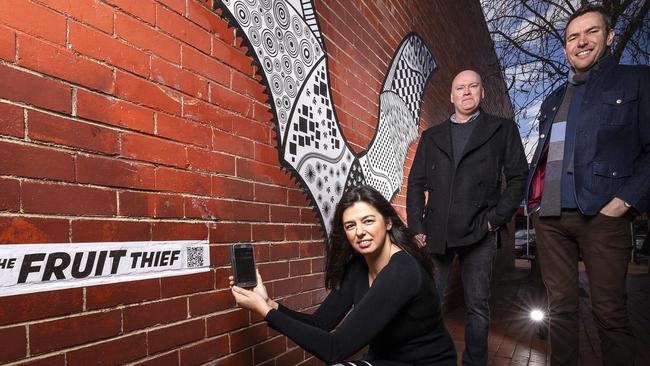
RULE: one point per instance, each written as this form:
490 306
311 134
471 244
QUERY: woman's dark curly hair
339 252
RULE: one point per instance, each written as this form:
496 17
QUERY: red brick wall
126 120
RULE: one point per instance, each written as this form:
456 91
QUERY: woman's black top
399 317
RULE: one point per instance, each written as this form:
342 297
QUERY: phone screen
244 265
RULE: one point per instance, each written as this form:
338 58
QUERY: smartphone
243 265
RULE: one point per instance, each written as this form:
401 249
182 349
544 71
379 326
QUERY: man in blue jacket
589 176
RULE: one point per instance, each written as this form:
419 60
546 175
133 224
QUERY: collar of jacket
486 126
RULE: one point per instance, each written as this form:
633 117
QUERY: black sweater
399 317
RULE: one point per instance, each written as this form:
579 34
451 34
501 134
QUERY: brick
7 44
144 92
67 199
308 250
318 265
262 112
30 230
177 6
259 132
179 231
230 233
298 232
286 287
283 251
105 48
114 352
114 172
169 337
208 114
155 313
69 132
113 111
313 282
221 274
105 296
20 86
266 154
181 285
211 302
176 180
246 211
309 216
270 194
175 77
140 204
90 12
210 161
20 15
9 195
262 252
14 345
84 231
56 360
317 233
249 86
262 172
11 120
269 349
298 197
300 267
205 65
285 214
167 359
226 98
204 17
274 270
181 28
232 56
57 334
204 208
247 337
292 357
232 188
244 357
205 351
227 322
153 149
147 38
224 141
268 232
219 256
183 130
143 9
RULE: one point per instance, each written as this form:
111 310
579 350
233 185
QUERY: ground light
536 315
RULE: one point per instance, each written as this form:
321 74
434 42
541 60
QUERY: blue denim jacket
612 141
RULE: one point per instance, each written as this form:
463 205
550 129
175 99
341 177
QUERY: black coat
461 200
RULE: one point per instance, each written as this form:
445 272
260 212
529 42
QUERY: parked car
520 242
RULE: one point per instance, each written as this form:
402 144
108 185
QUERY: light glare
537 315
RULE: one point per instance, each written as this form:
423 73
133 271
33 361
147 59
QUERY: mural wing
284 40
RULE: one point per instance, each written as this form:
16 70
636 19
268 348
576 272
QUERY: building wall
125 120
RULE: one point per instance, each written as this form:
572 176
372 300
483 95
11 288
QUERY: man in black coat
460 164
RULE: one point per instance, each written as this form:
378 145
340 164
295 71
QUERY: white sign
26 268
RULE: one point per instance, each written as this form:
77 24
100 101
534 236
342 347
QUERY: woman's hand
260 289
246 300
250 300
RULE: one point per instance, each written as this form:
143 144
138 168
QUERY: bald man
460 163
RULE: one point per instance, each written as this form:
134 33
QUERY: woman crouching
375 267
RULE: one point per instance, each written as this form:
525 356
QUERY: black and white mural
284 39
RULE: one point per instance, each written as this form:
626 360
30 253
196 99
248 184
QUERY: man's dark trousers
604 243
476 263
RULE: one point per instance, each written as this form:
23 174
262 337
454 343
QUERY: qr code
194 257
